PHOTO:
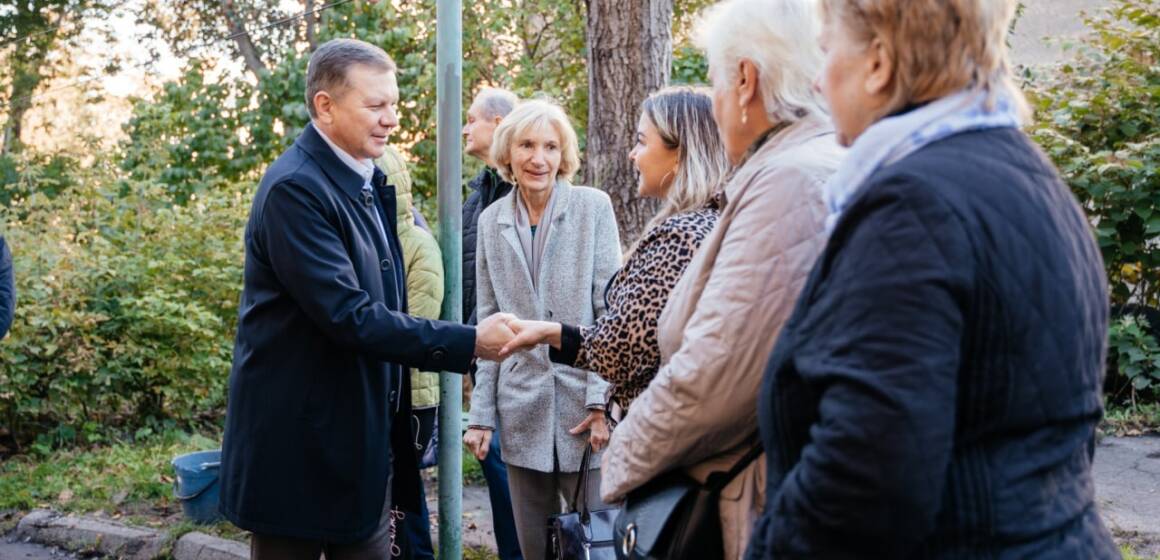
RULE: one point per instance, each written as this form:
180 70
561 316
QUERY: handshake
503 334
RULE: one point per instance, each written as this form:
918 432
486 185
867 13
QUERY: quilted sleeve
424 275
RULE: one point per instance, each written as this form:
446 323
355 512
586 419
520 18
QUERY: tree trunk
630 48
310 20
243 40
26 77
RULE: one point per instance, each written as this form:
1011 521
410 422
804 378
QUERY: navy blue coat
935 393
318 398
7 288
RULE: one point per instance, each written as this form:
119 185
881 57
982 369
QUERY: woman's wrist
554 336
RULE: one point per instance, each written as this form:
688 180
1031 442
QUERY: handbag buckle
629 542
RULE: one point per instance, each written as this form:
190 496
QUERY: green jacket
424 265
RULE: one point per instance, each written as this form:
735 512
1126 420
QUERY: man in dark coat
317 452
7 289
487 110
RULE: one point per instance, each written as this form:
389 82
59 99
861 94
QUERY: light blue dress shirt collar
364 168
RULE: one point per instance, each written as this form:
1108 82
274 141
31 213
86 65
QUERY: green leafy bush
1136 355
127 307
1098 119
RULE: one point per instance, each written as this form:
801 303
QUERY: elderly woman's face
536 158
850 80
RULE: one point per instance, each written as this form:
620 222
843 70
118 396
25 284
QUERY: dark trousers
419 530
495 472
375 547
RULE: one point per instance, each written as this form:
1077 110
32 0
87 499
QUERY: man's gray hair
496 102
330 63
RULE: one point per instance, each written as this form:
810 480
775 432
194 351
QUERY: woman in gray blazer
544 251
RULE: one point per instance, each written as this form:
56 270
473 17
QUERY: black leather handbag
674 517
582 534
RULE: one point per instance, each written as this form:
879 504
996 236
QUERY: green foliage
1136 355
1097 118
187 140
1131 419
689 66
31 33
24 173
127 309
472 470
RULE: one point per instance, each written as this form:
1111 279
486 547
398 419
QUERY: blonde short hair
938 46
780 37
526 116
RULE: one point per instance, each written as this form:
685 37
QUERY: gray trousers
537 495
375 547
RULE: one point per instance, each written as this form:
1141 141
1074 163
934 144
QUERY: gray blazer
532 401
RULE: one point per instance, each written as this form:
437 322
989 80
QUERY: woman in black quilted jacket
936 392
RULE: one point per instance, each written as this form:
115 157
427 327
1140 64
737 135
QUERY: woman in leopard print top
680 158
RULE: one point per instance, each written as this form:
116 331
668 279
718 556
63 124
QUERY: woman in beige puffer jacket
699 413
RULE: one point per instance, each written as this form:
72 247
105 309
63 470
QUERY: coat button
394 396
385 264
438 354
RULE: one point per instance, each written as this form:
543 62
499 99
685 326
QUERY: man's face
360 118
478 131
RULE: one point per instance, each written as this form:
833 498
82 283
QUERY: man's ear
880 60
323 107
497 119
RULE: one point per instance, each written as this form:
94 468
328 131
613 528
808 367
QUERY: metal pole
449 102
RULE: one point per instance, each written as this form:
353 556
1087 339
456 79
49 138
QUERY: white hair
496 102
780 38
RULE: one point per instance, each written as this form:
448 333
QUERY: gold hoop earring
671 171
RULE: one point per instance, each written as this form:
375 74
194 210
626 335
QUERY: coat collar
506 219
785 139
345 178
506 213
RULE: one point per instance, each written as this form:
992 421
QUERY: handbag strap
580 494
719 480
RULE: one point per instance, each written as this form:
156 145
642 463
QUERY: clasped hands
503 334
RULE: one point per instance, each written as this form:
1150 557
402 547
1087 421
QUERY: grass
129 482
474 553
472 471
1131 420
120 479
1130 554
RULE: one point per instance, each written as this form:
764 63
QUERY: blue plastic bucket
196 485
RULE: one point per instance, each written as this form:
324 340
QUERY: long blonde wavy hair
683 118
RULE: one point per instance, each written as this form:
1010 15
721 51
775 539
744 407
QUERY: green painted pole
449 102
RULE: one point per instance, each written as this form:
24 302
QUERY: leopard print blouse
622 345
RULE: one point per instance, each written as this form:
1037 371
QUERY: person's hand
529 334
596 427
478 441
491 335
